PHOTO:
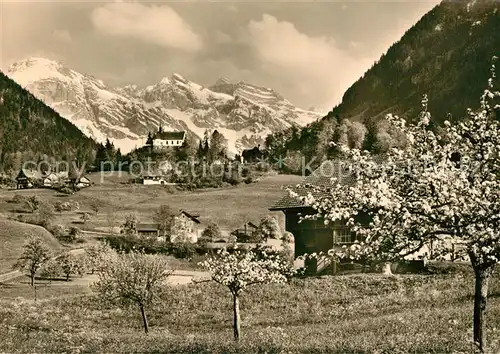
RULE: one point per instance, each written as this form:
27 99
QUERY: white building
152 180
163 140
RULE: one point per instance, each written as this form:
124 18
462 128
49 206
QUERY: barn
313 236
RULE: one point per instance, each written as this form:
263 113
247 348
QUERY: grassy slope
229 207
12 236
345 314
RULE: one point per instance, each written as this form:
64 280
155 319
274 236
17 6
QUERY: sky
309 52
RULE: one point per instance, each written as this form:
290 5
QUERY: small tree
68 264
85 217
269 228
35 255
239 269
74 233
97 256
45 213
130 226
165 218
32 203
211 233
133 278
111 221
95 206
50 270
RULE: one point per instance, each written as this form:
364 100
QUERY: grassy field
343 314
12 236
229 207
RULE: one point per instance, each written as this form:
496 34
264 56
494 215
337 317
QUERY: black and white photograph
249 176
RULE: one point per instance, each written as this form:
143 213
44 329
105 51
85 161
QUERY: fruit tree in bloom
442 189
239 269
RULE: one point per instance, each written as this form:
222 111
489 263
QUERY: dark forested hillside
32 131
446 55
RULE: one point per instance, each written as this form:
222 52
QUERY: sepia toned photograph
245 177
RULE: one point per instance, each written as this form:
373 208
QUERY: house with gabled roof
190 221
53 179
28 178
166 139
314 235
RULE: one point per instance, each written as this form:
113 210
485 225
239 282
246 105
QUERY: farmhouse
27 178
314 235
152 180
188 221
252 155
54 178
149 230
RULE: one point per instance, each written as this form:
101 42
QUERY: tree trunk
32 279
482 277
386 269
236 316
144 319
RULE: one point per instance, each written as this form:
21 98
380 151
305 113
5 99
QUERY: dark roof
29 173
321 177
169 135
147 227
193 217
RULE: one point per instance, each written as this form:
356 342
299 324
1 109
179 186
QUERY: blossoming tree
239 269
35 255
441 190
132 278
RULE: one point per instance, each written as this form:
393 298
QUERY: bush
184 250
32 203
66 206
18 199
66 190
59 231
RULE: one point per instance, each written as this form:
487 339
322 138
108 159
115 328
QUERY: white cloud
62 36
159 25
317 69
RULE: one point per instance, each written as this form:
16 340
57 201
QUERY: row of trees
37 257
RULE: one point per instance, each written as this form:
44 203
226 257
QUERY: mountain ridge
243 112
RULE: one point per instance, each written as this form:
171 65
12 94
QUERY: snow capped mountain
244 113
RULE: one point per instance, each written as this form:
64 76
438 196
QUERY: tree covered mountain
446 55
32 131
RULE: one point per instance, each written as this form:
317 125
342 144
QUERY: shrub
74 232
32 203
184 250
45 213
18 199
66 190
66 206
58 230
